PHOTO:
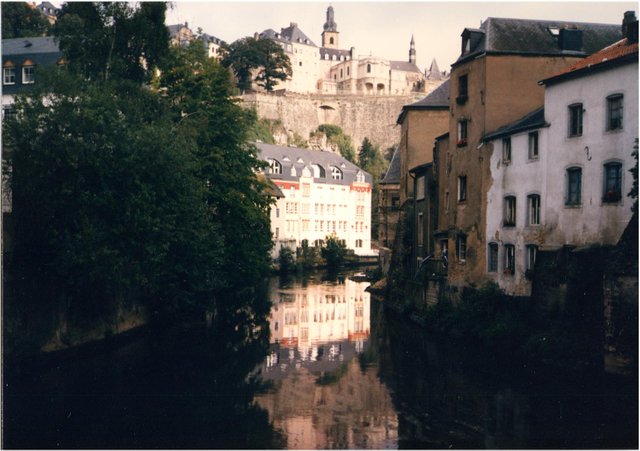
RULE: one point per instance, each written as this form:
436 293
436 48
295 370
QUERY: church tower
330 33
412 51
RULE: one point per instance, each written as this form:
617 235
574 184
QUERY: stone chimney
630 26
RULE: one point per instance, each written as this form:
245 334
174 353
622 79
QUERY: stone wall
373 117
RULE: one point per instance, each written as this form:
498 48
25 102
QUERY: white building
324 194
560 175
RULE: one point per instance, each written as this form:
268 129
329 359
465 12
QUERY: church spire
330 33
412 51
330 24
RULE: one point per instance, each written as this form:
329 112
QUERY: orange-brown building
493 83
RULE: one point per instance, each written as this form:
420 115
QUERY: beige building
493 83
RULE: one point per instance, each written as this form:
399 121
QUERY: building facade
324 195
494 82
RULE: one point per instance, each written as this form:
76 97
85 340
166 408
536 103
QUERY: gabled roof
294 157
535 37
531 121
290 34
393 173
622 52
405 66
438 99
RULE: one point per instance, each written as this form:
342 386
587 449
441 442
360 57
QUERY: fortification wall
373 117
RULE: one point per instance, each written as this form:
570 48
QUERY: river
337 372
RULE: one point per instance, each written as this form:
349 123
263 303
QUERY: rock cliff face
373 117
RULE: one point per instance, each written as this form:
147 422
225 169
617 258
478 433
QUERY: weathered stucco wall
373 117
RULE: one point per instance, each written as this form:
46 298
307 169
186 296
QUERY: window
509 259
336 174
28 75
532 251
330 40
462 132
9 112
506 150
462 90
318 171
9 76
341 74
420 188
575 119
614 112
347 70
420 229
461 247
274 166
368 68
533 209
533 146
574 186
509 211
612 182
358 243
492 262
462 188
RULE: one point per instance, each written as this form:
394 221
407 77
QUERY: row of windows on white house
613 122
493 256
291 208
611 193
275 167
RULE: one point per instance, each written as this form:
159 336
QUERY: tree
105 203
336 136
211 123
370 160
333 251
104 40
262 57
21 21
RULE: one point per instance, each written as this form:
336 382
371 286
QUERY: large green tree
106 206
19 20
371 160
260 58
104 40
212 124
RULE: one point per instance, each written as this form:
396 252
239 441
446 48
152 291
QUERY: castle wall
373 117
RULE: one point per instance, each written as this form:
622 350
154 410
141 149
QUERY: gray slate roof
43 51
405 66
290 34
533 37
299 158
531 121
393 173
438 99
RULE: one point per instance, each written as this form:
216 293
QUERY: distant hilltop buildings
328 69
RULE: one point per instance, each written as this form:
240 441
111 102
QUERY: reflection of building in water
320 314
355 411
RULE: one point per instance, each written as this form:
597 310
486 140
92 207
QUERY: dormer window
318 171
360 177
274 166
336 173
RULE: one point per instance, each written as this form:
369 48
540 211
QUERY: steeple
412 51
330 33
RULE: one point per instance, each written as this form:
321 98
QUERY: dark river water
337 372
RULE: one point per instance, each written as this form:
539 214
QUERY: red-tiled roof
611 53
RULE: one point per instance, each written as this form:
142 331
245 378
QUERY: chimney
293 24
628 25
570 39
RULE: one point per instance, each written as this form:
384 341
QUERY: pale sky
383 28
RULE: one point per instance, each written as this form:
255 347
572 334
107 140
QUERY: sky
383 28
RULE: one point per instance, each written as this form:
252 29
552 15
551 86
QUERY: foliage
330 130
262 57
286 261
336 136
333 251
105 205
371 160
21 21
104 40
213 124
297 141
262 129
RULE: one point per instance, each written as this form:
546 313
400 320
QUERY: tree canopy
260 60
21 21
104 40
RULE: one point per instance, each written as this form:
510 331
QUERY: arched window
336 174
318 171
274 166
368 68
509 211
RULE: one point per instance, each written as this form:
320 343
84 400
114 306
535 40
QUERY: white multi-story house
560 175
324 195
592 107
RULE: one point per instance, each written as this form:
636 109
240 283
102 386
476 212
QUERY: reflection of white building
320 314
324 194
